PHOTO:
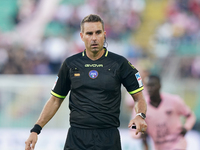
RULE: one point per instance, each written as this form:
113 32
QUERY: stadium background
158 36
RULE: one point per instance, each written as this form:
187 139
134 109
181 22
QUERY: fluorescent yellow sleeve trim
138 90
56 95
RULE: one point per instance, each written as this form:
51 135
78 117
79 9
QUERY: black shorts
93 139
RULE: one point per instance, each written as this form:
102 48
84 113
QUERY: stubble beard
96 50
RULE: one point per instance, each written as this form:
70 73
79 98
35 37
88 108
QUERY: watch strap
142 115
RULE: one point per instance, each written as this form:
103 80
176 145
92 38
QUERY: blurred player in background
164 112
94 79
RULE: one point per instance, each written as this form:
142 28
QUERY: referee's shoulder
116 57
73 57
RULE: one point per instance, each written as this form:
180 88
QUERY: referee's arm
140 107
140 103
49 110
47 113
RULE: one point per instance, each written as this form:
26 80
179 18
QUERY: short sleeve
62 83
130 77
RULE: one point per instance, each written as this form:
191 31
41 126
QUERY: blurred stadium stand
158 36
8 10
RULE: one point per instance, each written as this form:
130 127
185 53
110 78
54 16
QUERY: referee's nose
94 37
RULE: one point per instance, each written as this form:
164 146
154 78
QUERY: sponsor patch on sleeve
55 83
139 79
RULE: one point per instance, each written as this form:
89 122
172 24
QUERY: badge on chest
93 74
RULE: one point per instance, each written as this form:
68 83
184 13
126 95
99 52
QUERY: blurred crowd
45 34
44 52
179 36
190 67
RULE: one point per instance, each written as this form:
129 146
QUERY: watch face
143 115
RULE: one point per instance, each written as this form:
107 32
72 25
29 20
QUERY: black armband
37 128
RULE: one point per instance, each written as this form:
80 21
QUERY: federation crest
55 83
139 79
93 74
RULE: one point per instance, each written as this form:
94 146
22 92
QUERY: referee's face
93 36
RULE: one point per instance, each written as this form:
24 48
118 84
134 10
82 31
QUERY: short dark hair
153 76
91 18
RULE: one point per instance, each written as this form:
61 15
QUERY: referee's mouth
94 45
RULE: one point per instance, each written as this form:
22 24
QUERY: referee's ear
81 35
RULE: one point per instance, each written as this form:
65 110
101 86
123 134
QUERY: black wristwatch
141 115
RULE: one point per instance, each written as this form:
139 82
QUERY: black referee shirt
95 88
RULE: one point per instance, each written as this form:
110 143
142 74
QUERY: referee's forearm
49 110
140 103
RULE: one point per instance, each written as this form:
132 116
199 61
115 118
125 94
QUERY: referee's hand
140 124
31 141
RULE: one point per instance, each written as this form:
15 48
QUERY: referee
94 79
